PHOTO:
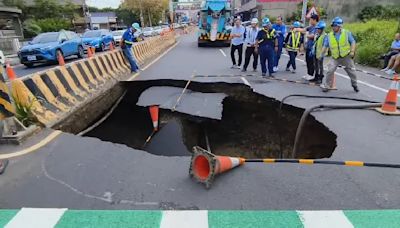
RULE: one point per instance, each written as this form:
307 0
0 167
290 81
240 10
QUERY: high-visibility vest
320 45
342 48
295 41
270 35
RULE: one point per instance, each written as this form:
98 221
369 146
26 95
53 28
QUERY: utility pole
304 11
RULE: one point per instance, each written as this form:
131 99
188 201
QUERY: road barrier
6 108
58 92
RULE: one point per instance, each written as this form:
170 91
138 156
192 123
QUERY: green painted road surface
59 218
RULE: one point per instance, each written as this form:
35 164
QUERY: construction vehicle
215 23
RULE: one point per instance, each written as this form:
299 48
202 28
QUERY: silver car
118 36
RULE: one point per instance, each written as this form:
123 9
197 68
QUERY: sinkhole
228 119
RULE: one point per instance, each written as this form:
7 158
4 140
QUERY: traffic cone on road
10 72
389 106
90 52
154 116
60 59
334 82
204 166
112 48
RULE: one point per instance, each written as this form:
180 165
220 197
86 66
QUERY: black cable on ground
327 97
324 106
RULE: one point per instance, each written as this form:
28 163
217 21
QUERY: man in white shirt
237 36
250 41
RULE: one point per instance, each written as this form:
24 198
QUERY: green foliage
373 38
31 29
127 16
296 16
24 112
53 24
379 12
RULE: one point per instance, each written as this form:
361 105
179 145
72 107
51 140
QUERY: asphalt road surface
86 173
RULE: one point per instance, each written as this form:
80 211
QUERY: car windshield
91 34
46 38
157 27
147 29
118 33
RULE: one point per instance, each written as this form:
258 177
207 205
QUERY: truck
215 23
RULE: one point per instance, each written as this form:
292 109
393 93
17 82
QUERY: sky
104 3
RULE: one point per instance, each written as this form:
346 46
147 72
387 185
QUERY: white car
118 36
148 31
158 30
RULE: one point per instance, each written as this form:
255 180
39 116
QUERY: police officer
266 45
342 46
126 44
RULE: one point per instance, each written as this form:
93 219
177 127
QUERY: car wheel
81 52
28 65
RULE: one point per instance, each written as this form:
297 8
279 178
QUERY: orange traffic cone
154 116
112 48
89 52
389 107
334 82
10 72
204 166
60 59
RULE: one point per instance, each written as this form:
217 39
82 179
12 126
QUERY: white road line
245 81
223 53
326 219
184 219
36 218
347 77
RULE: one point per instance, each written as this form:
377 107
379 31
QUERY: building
10 29
260 8
103 20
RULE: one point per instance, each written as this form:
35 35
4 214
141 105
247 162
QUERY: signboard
312 11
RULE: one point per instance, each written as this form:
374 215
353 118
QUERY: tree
151 10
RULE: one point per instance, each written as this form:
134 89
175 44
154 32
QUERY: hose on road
324 106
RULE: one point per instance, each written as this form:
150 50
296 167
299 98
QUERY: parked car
99 39
118 36
157 30
148 31
47 46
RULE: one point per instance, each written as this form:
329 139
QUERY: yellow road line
31 149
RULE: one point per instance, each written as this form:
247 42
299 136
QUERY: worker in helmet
294 44
126 44
250 42
343 47
266 45
318 46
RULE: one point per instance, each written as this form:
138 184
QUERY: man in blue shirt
280 30
266 44
250 41
237 35
394 50
342 46
127 41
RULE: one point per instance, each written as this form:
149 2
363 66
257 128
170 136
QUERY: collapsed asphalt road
86 173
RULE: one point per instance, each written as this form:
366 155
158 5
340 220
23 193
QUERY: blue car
46 47
99 39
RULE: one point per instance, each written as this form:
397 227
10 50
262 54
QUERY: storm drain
247 124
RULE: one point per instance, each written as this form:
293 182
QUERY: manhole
252 126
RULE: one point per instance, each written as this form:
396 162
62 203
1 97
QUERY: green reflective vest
295 41
342 48
270 35
319 45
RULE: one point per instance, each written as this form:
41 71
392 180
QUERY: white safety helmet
254 21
